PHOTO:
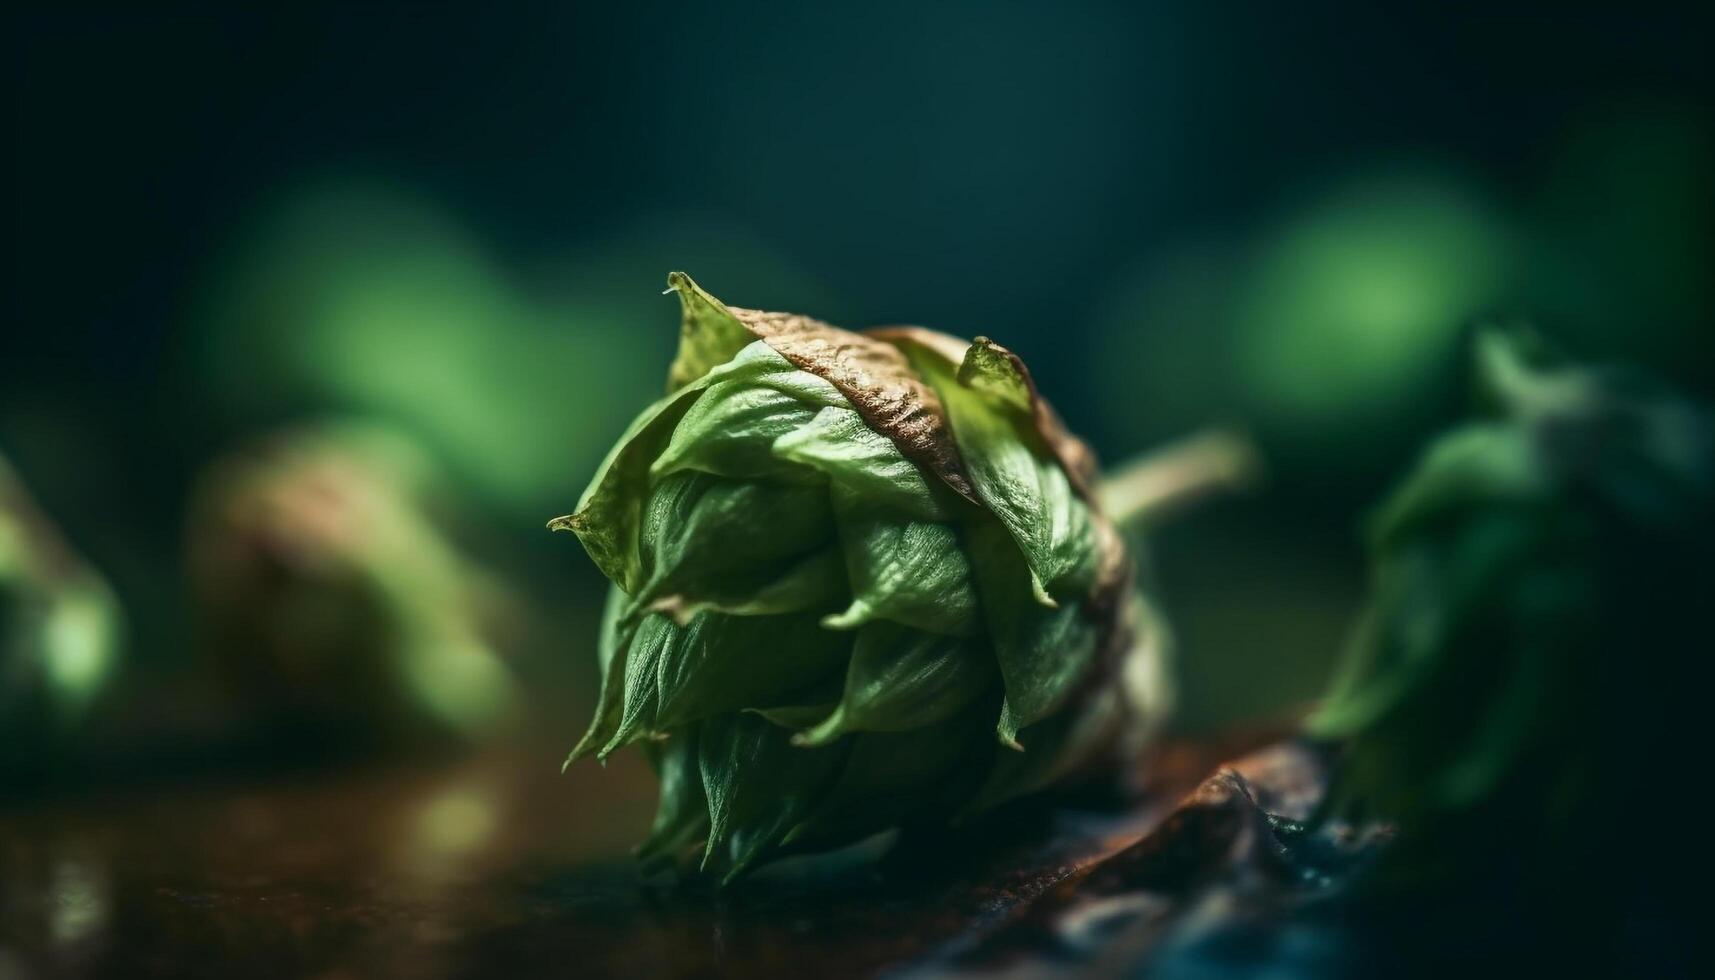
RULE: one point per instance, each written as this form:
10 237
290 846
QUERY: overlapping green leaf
677 675
815 583
731 429
610 511
867 464
1043 652
611 650
900 679
700 536
758 786
911 572
1016 476
682 813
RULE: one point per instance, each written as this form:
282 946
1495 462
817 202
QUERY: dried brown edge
1115 575
872 371
1074 456
879 382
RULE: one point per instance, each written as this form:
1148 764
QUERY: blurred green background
457 221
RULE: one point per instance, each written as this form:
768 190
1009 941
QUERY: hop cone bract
858 581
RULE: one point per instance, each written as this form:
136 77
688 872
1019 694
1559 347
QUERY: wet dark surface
493 865
1237 852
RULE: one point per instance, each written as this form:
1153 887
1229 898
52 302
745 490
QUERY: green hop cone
60 632
859 581
1519 678
334 602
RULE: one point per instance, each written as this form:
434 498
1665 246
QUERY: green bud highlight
60 634
860 580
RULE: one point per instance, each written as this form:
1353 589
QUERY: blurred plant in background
364 297
335 602
1324 330
60 633
1331 323
1522 687
1334 327
1349 307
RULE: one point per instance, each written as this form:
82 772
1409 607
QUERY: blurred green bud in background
333 597
364 297
1326 328
1352 305
860 580
1518 683
60 632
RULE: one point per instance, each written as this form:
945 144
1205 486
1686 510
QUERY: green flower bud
859 581
60 628
337 605
1520 670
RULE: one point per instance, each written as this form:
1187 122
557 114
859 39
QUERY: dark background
1284 217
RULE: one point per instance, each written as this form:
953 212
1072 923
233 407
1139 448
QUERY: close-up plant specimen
1133 490
859 581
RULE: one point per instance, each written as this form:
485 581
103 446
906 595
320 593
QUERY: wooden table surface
494 865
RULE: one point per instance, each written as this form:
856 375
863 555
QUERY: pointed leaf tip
1006 728
709 333
675 607
854 615
991 368
830 729
585 746
1039 592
